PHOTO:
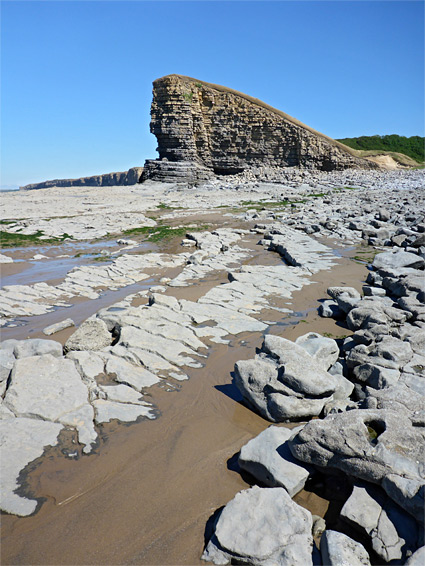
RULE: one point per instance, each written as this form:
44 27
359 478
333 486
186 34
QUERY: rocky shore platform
233 371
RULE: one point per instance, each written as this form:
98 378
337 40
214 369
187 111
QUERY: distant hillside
414 146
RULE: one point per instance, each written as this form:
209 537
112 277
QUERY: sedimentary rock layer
223 131
130 177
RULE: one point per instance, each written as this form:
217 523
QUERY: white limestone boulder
261 527
268 458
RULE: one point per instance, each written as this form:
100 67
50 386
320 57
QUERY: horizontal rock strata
204 129
130 177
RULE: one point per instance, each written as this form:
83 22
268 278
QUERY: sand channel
146 494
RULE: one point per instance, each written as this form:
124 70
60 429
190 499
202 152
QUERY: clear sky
77 76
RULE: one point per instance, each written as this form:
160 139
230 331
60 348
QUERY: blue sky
77 76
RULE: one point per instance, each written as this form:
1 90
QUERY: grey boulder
93 334
393 533
338 549
329 309
369 445
284 382
397 260
267 457
262 527
335 292
300 371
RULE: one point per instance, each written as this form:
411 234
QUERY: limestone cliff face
130 177
216 130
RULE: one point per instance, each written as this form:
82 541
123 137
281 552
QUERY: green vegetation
414 146
7 222
199 85
265 203
365 255
14 240
330 335
164 206
161 232
373 435
188 96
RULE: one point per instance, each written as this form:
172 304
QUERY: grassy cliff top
413 146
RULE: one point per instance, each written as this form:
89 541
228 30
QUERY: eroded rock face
203 128
380 446
130 177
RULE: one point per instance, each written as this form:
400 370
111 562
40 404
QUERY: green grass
161 232
7 221
142 230
164 206
365 255
188 96
412 147
330 335
13 240
272 203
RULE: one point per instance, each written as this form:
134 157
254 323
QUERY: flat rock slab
172 351
137 377
22 440
262 526
49 388
122 394
106 411
267 457
85 281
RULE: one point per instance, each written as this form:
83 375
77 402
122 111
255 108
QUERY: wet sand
146 494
